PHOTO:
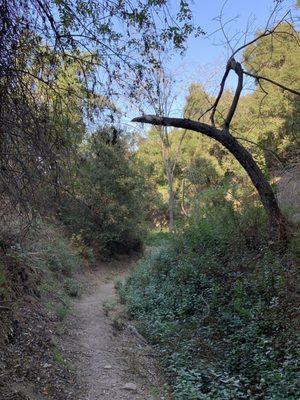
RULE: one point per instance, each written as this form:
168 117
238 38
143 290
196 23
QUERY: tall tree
275 110
223 135
161 99
106 43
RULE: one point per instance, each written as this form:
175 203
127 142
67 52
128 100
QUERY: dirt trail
112 363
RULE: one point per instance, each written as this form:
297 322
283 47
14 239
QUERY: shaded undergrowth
37 280
220 306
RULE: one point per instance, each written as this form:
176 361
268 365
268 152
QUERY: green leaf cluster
215 302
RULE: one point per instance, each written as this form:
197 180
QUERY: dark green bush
215 302
109 204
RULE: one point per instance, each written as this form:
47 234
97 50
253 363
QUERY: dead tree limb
277 226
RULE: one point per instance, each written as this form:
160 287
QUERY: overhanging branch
242 155
183 123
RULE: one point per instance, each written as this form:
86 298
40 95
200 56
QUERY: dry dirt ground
111 359
94 353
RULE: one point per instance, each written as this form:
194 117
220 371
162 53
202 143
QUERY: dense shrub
218 304
110 197
49 249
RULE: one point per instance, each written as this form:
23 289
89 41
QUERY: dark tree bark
277 224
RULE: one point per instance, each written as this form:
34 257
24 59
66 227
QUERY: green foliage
56 261
109 305
57 356
202 172
156 237
266 122
62 311
118 323
193 170
215 303
59 257
109 207
60 360
72 287
276 116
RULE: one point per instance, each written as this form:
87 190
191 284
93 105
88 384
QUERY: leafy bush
48 248
110 199
216 303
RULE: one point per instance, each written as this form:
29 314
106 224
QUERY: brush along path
111 359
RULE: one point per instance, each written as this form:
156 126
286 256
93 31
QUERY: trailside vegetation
211 196
220 305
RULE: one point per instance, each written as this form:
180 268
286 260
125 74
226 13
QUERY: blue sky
204 50
239 12
206 56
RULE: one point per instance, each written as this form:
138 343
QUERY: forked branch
236 66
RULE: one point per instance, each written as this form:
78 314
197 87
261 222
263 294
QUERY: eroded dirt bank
93 353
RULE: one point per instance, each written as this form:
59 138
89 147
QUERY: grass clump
60 257
219 306
72 287
62 311
60 360
58 260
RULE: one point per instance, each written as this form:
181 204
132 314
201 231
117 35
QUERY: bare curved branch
236 66
264 78
222 85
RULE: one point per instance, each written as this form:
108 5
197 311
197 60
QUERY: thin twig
264 78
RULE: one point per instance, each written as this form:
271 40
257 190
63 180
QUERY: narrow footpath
113 362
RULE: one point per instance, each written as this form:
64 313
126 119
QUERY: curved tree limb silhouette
276 219
223 135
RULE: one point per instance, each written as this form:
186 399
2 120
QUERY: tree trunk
277 223
168 166
170 198
183 198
